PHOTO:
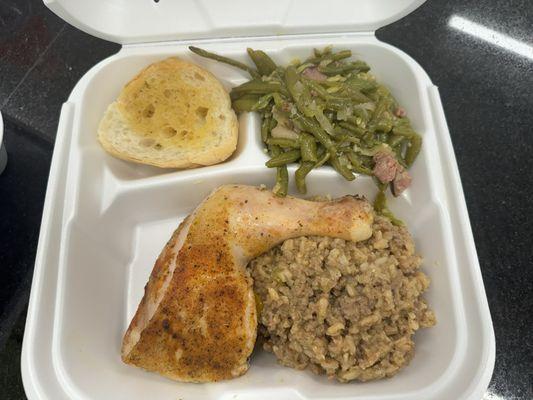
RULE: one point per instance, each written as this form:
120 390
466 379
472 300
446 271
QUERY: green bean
283 158
340 55
317 88
333 57
282 181
323 160
337 104
346 138
302 67
380 206
278 100
360 117
362 85
263 102
299 97
342 69
395 140
264 64
352 128
308 147
398 151
347 100
403 128
341 168
266 127
382 125
256 86
225 60
355 96
340 131
301 173
274 150
245 103
307 125
383 105
380 201
325 51
357 164
282 142
413 149
291 79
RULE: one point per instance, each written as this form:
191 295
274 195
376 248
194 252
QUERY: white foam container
105 220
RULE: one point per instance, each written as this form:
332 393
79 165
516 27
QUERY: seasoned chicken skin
197 320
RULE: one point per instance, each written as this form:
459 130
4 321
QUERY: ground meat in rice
344 309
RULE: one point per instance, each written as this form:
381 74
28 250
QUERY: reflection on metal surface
491 36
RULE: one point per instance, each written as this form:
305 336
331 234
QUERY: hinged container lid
140 21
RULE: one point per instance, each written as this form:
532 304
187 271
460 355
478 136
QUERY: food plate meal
198 318
254 217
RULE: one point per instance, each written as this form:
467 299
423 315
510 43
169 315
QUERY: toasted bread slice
173 114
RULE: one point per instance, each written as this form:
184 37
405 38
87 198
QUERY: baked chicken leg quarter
197 320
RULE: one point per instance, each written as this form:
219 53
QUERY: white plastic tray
105 221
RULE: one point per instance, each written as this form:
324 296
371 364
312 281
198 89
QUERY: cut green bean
301 96
281 142
316 88
263 63
341 168
225 60
362 85
308 125
358 164
263 102
395 140
340 55
413 150
346 139
282 181
266 127
308 147
256 87
331 57
301 173
245 103
274 150
380 206
283 158
324 159
352 128
343 69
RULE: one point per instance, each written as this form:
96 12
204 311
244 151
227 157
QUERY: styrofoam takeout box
105 220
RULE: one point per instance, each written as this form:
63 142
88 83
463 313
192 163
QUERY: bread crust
156 119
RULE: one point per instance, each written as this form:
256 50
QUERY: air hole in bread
184 133
201 112
198 76
222 117
149 111
169 132
167 93
147 142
